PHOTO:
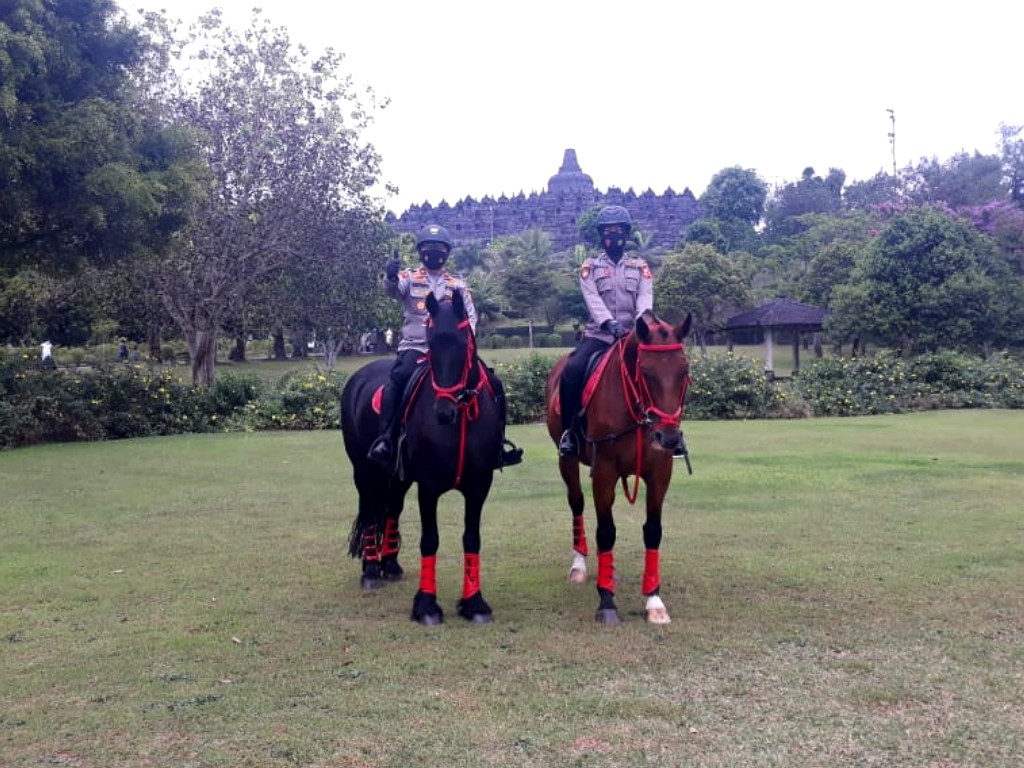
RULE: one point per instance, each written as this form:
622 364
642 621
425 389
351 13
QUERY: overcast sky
486 97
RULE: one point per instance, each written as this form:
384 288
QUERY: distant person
410 287
46 355
122 350
617 290
389 337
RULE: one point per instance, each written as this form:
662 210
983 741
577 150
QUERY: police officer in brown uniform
617 289
410 287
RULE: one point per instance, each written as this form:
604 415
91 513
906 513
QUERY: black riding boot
382 451
568 444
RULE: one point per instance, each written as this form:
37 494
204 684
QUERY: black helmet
434 233
613 214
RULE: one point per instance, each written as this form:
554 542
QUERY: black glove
391 270
614 327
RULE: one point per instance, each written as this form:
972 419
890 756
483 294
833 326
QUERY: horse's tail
365 538
355 539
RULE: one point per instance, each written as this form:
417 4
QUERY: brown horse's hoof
430 620
577 576
481 618
608 616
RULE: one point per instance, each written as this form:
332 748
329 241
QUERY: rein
641 406
465 399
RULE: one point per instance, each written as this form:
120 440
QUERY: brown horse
633 407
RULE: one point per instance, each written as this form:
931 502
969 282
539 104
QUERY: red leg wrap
370 552
579 535
470 576
606 571
392 539
428 575
652 572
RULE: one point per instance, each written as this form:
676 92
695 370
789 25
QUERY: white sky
486 97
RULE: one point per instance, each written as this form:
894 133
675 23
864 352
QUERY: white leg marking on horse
655 612
578 572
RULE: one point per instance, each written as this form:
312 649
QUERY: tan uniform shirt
622 292
411 290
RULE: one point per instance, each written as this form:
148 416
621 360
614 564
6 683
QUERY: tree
812 194
701 281
81 177
528 277
1012 140
278 133
735 195
962 180
929 281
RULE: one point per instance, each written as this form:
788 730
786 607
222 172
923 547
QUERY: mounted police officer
410 287
617 289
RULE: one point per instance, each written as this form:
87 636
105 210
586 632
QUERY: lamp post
892 139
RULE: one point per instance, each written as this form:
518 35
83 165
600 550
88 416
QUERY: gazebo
779 315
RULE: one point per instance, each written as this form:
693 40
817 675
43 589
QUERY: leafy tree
278 132
882 189
82 179
962 180
812 194
702 281
1012 140
706 232
735 195
927 282
528 276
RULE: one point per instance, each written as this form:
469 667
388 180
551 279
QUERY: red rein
469 410
638 395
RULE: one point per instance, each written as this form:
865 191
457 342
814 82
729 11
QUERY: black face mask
614 246
433 259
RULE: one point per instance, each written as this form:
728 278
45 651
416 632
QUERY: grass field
844 592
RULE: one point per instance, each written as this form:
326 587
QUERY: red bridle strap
468 408
641 404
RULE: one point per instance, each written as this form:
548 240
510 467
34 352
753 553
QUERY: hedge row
117 401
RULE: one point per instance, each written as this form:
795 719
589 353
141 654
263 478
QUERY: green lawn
844 592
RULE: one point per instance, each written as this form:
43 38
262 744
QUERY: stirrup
567 444
381 451
511 454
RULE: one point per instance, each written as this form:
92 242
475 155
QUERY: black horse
452 432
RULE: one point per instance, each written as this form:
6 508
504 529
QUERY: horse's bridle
641 405
465 398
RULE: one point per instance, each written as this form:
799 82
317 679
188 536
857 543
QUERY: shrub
495 341
515 342
727 386
525 383
839 386
301 400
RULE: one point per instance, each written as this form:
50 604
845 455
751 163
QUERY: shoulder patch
646 271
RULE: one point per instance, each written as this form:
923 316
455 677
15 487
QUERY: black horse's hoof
608 616
426 611
392 571
475 609
370 584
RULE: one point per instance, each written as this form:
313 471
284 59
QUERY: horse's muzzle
446 411
666 438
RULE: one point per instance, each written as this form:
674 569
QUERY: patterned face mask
433 258
613 240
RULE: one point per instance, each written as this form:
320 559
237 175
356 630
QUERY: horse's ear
683 329
432 304
459 304
643 331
